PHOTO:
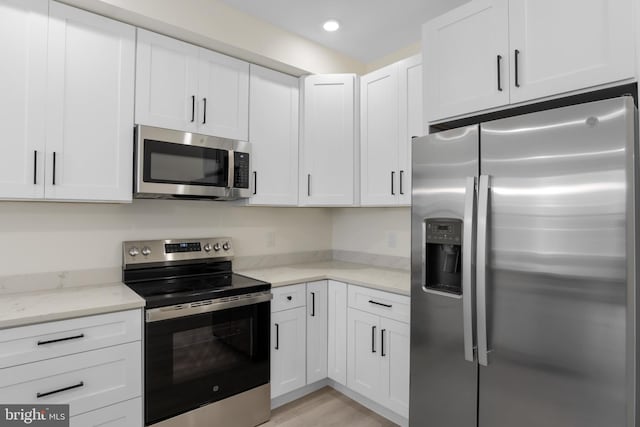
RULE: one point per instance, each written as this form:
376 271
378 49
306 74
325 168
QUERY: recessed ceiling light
331 25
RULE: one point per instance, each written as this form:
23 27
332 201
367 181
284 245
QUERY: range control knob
216 247
146 251
133 251
226 246
207 247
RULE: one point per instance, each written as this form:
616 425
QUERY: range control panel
444 231
161 251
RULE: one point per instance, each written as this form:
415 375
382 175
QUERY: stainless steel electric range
206 334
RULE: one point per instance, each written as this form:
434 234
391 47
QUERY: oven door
198 359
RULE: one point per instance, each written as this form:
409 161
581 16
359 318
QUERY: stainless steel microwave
181 165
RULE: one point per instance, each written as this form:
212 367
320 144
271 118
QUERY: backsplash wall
40 237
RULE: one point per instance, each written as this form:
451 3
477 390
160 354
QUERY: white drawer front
385 304
288 297
33 343
92 380
125 414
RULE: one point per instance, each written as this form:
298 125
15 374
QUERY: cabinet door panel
411 120
379 137
125 414
396 365
166 82
568 45
223 88
337 334
273 132
288 355
23 48
460 57
90 106
316 331
327 160
364 364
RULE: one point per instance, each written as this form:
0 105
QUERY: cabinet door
288 351
461 56
273 132
90 95
411 120
379 137
23 48
364 364
394 350
337 333
166 82
223 90
568 45
316 331
327 171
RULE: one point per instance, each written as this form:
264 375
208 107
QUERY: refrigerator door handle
467 268
481 269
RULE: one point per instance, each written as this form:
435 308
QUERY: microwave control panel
241 170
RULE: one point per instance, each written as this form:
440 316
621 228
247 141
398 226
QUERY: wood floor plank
325 408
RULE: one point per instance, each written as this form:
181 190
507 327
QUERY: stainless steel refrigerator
523 298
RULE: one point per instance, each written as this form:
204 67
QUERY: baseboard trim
297 394
357 397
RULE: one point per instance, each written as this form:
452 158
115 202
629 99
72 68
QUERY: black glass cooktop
163 287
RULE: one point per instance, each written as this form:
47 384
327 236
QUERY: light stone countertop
37 306
384 279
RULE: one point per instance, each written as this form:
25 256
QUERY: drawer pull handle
379 303
60 390
289 298
75 337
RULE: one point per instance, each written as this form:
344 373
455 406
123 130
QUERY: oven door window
195 360
180 164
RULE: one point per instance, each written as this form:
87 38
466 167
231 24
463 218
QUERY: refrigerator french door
523 271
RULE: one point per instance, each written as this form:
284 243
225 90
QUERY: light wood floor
324 408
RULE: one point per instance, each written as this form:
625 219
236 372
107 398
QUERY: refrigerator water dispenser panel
443 255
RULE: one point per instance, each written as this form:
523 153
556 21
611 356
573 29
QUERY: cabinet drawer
288 297
382 303
33 343
125 414
85 381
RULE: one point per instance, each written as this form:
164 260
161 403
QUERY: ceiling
370 29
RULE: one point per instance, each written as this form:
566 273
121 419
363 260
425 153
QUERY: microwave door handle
232 166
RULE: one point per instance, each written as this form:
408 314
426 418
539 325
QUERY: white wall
41 237
379 231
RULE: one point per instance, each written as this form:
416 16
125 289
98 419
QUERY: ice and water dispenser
443 255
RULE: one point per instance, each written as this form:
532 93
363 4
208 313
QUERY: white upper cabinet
568 45
224 96
379 144
90 95
184 87
490 53
327 157
464 53
23 48
390 114
166 82
273 133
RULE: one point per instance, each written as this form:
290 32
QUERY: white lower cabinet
316 331
364 364
395 350
337 333
93 363
288 351
125 414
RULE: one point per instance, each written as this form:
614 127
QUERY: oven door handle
200 307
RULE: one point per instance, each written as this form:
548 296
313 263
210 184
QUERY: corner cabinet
328 167
67 105
184 87
390 114
273 133
316 331
520 50
337 332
